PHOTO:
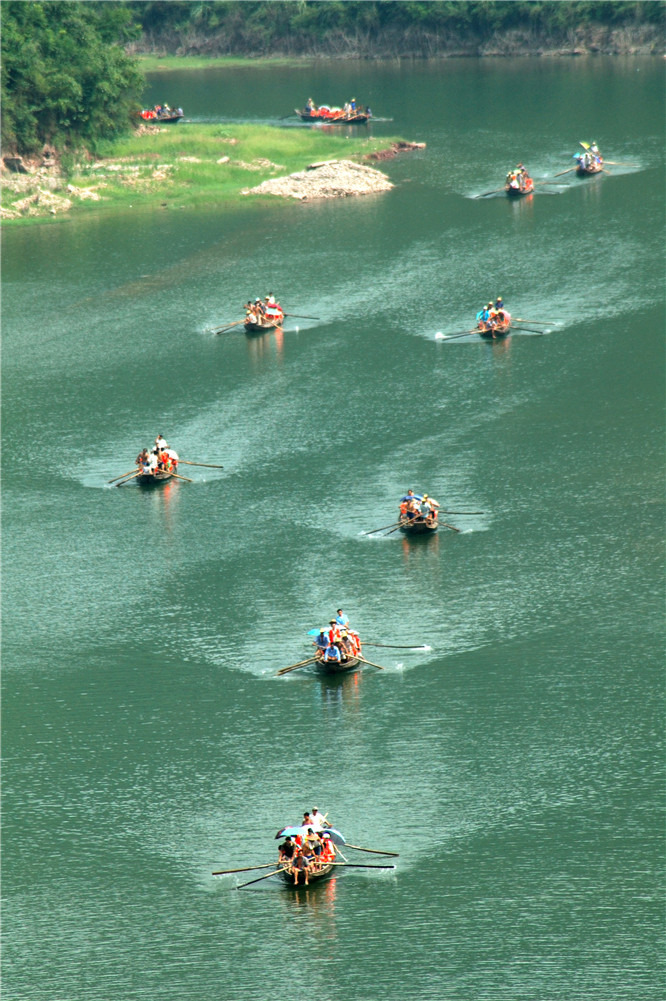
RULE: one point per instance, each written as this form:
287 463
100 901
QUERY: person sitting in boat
322 639
345 644
499 302
173 456
512 180
327 848
334 632
355 640
594 150
286 850
352 105
142 457
310 105
332 654
313 845
151 465
484 314
299 865
429 507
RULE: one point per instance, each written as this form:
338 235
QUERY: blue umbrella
294 832
418 497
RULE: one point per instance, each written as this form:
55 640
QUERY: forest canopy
67 79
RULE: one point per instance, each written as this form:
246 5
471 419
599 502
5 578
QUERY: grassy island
172 166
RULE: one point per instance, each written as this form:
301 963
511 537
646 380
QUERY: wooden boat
314 876
418 525
501 330
324 116
153 479
149 115
584 170
260 328
518 192
348 663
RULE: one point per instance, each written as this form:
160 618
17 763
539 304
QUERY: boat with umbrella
309 854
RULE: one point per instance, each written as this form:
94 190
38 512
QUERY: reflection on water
340 691
264 345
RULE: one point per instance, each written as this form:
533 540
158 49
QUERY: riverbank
199 51
171 167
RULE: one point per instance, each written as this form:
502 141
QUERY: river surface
516 762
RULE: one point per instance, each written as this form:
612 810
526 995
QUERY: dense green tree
66 78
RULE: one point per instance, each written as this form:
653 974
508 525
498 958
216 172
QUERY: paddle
530 329
301 317
369 662
617 163
138 473
293 667
393 646
179 477
247 868
486 193
259 878
450 337
352 865
378 529
524 319
208 465
463 512
452 527
122 476
565 171
373 851
222 330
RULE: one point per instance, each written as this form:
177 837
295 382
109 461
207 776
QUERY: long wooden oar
122 476
446 525
130 478
373 851
394 646
532 330
450 337
486 193
301 317
369 662
353 865
247 868
222 330
293 667
259 878
208 465
564 172
524 319
617 163
179 477
462 512
381 529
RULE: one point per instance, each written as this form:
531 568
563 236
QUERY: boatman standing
341 619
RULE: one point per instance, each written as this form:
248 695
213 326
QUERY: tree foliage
297 26
66 79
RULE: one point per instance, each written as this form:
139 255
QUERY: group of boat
350 114
518 182
157 465
161 113
590 161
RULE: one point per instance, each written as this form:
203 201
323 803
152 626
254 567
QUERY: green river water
516 764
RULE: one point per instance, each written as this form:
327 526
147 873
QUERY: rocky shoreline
333 178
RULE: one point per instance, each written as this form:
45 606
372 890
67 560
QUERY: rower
142 457
499 302
332 653
328 848
286 850
322 640
318 819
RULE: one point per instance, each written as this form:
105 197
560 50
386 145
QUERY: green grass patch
171 64
186 166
